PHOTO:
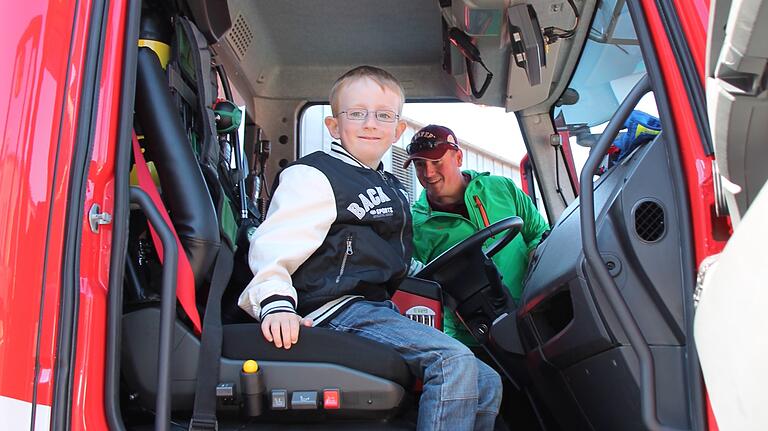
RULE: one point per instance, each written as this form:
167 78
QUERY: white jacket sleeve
300 215
415 267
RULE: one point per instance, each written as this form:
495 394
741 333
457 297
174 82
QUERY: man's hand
283 328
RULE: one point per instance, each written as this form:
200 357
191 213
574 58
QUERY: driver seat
370 378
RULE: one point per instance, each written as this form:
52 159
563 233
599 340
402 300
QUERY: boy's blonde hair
379 76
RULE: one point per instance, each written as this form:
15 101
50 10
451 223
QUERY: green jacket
435 231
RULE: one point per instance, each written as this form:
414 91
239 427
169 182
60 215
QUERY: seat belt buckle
197 424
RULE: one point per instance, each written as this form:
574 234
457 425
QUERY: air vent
649 221
240 36
399 156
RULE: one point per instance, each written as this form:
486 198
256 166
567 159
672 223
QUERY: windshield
609 66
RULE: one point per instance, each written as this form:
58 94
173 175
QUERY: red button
331 399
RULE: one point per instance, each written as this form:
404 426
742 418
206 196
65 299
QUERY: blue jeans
460 391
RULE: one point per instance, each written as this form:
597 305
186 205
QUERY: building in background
314 136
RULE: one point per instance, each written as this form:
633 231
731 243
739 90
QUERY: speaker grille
240 36
649 221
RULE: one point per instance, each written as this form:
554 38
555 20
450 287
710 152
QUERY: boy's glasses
420 145
361 114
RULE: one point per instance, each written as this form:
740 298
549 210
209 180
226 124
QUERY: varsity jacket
336 231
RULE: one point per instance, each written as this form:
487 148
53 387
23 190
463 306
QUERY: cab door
39 88
730 318
607 309
50 95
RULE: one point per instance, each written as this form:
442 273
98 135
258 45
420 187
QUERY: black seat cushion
246 341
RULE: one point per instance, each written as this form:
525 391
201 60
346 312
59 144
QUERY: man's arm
534 224
297 223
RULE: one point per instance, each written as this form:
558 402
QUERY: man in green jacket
456 204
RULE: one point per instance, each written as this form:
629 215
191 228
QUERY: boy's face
367 140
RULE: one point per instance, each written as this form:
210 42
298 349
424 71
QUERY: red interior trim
185 282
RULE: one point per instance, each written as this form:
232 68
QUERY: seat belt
185 287
204 412
208 361
205 88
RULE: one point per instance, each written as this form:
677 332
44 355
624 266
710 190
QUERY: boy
337 242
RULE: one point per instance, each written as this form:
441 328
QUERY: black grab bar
595 262
167 306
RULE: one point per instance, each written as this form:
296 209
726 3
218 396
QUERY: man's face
442 178
367 139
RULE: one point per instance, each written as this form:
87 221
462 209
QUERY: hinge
97 218
704 267
721 205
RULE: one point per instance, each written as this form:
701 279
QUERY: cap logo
426 134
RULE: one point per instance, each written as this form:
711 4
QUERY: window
406 176
489 137
610 65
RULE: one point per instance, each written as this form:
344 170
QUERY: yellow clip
134 178
162 50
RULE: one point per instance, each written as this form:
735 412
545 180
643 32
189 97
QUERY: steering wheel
512 225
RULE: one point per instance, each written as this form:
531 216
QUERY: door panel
730 317
579 340
38 112
738 105
638 234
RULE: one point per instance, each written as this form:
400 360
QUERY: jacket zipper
483 214
432 213
405 217
348 252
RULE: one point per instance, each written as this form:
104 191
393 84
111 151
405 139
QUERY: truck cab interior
601 337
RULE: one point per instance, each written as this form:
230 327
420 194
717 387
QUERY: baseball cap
430 143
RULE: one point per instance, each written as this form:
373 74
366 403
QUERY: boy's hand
283 328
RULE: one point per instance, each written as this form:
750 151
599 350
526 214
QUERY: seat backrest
184 190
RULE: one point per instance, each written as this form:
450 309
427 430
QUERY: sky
485 126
